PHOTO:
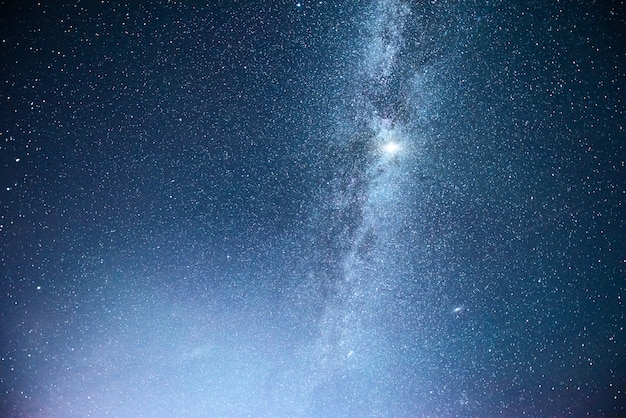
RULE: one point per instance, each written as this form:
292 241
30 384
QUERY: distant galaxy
387 208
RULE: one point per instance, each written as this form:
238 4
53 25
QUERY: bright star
391 147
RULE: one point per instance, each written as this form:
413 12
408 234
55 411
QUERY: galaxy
386 208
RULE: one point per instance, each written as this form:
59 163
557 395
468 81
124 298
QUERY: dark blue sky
312 209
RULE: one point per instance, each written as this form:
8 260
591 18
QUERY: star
391 148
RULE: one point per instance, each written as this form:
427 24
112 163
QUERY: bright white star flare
391 147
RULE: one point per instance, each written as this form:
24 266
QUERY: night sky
312 209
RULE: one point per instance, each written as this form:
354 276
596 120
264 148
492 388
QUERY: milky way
314 209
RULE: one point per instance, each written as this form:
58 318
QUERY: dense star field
312 209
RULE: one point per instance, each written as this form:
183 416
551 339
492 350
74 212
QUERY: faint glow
458 309
391 147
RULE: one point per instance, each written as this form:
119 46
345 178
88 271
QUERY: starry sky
308 209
